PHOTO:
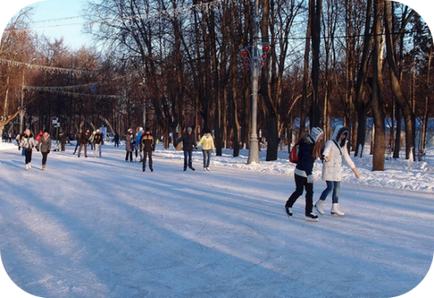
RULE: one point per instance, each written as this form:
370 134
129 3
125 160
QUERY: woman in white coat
332 168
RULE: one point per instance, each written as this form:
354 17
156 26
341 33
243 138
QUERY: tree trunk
377 100
408 114
361 107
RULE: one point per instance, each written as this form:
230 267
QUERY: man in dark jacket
147 142
84 139
188 143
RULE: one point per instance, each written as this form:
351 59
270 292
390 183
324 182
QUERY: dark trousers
130 155
85 149
44 157
145 155
28 155
300 184
187 158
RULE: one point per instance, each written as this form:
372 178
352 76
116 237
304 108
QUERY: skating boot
288 211
335 210
319 206
312 217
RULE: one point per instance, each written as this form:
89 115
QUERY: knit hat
315 133
189 129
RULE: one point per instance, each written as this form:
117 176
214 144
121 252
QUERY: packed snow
100 227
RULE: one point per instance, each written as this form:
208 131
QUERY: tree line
172 64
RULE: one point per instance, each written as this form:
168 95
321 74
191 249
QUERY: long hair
317 148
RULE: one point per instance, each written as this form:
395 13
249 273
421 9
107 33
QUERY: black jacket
147 143
306 161
188 141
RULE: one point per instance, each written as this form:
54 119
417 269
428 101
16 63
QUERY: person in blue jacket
309 151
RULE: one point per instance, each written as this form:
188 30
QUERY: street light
253 62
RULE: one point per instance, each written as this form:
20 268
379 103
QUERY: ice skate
335 210
288 211
319 206
312 217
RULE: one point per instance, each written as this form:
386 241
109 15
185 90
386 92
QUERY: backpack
293 155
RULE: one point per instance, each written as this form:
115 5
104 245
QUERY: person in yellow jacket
207 143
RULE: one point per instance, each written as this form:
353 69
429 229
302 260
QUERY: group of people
42 143
85 137
310 149
143 144
189 143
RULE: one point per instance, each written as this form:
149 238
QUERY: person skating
188 143
309 151
147 144
138 148
207 143
332 168
77 137
28 143
98 141
45 147
84 139
129 145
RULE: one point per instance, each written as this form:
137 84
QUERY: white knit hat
315 133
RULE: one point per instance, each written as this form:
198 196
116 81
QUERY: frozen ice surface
100 227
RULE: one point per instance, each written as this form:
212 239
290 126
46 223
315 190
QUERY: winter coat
28 142
147 142
333 152
207 143
188 141
84 138
97 139
305 160
129 146
45 144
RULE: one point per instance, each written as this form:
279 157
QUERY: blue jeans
187 159
206 158
334 186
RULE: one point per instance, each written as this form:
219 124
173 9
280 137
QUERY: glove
48 151
309 179
356 172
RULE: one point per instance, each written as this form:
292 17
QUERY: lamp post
253 62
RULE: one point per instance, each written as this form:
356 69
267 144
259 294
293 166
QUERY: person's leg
204 158
190 160
208 158
144 162
309 198
336 191
326 191
299 183
185 159
150 161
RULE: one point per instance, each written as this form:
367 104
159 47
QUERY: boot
312 217
27 166
43 167
319 206
288 211
335 210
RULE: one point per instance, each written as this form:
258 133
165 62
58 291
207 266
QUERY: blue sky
56 10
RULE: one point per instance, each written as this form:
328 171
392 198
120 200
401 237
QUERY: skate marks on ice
106 230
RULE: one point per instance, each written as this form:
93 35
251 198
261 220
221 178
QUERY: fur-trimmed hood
337 134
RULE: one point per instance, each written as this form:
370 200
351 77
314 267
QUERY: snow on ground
100 227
